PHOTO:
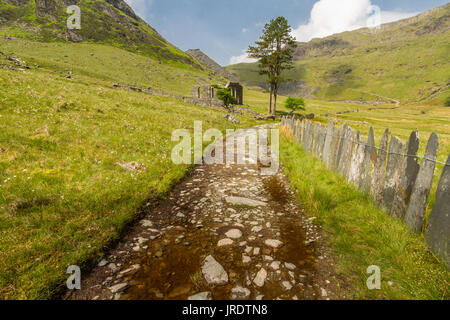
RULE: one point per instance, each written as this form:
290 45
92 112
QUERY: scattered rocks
213 272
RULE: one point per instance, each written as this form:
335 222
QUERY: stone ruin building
209 92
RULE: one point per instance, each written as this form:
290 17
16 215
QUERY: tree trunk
270 102
274 109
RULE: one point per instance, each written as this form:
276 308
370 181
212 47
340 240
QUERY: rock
118 287
273 243
141 240
323 292
232 119
260 278
275 265
180 215
234 233
132 268
112 267
225 242
239 292
268 258
290 266
259 297
201 296
103 263
286 285
257 229
131 166
256 251
213 272
240 201
246 259
146 223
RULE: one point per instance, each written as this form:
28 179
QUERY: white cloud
244 30
334 16
243 58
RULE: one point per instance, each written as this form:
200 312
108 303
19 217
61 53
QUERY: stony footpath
226 232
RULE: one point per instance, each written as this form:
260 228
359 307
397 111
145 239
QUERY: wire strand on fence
388 152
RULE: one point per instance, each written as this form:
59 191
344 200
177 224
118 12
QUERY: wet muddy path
226 232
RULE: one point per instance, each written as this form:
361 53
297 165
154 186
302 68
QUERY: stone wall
390 173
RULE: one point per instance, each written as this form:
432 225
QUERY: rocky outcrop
210 64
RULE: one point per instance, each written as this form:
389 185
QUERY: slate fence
390 173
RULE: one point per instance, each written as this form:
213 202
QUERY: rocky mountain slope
405 60
110 22
211 64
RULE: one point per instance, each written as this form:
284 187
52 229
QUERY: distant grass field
63 197
406 60
108 65
361 234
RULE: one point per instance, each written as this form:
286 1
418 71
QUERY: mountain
110 22
405 60
211 64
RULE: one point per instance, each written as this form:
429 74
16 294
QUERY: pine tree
275 51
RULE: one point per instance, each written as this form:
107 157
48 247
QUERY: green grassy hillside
63 195
405 60
110 22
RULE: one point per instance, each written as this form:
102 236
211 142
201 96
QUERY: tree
226 96
447 102
275 51
295 104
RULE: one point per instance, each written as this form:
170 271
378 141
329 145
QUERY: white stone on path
245 202
234 234
239 292
118 287
246 259
225 242
201 296
286 285
213 272
275 265
260 278
273 243
290 266
257 229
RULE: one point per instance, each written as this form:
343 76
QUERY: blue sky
224 29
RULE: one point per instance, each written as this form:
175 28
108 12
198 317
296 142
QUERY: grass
107 65
361 234
63 198
401 122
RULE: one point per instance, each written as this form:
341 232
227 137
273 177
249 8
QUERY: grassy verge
361 234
